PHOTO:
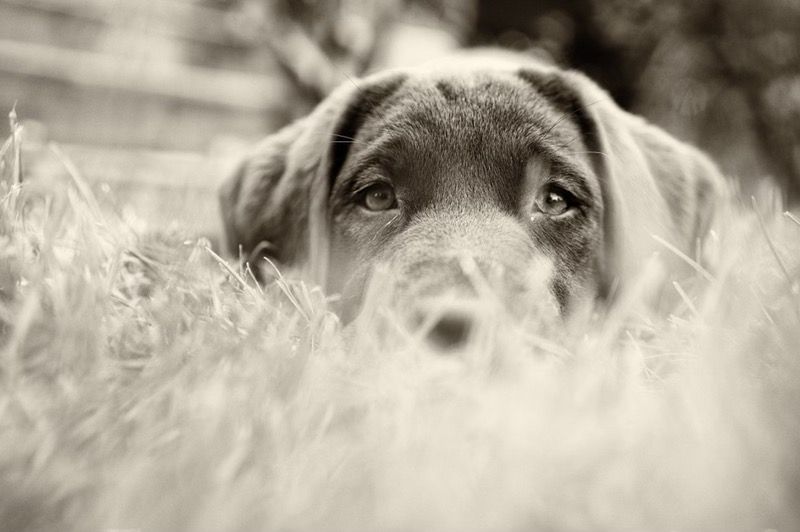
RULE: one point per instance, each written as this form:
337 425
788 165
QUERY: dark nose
451 330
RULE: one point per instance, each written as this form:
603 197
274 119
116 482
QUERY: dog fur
469 146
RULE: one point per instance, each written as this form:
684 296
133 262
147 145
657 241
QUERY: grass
146 384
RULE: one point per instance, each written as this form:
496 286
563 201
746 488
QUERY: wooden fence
135 73
140 94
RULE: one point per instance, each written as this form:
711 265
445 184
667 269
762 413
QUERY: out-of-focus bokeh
153 99
723 74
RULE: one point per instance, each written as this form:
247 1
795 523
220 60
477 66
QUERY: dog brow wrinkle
447 90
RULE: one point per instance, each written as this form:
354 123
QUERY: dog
488 162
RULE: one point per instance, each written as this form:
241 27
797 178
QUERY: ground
148 384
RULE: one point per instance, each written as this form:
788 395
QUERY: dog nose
451 330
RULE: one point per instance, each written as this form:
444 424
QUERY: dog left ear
653 185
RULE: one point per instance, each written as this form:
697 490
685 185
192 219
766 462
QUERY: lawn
148 384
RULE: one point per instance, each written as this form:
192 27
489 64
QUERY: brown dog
492 160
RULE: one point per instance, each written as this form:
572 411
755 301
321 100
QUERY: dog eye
554 201
379 197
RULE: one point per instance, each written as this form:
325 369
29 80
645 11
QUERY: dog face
465 167
498 172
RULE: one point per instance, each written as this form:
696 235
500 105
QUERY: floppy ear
276 203
653 185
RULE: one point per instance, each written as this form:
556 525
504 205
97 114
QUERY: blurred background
153 100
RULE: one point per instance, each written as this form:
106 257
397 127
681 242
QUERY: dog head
479 168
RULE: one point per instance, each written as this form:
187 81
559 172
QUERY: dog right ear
275 204
655 188
256 201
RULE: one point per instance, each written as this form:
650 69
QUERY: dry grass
144 385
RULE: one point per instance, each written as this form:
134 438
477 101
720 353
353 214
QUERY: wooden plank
19 24
183 20
144 168
195 84
105 117
160 188
26 25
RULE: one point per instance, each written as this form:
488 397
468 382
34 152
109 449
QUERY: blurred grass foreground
148 384
145 384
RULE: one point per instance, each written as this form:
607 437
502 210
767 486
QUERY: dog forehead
469 106
500 96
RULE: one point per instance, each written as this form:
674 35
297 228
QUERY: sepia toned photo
399 265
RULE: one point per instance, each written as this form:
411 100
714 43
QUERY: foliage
723 74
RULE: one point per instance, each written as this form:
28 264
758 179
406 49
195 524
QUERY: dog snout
447 325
